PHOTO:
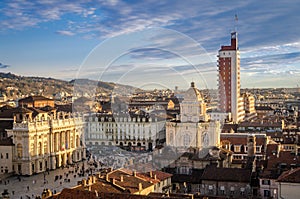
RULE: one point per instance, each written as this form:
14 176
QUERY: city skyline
59 35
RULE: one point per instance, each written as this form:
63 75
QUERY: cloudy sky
150 43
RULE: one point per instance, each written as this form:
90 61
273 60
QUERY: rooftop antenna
236 19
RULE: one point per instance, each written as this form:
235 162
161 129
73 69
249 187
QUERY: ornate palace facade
45 139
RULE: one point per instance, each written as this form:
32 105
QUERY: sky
150 43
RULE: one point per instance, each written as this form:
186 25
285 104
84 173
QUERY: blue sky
58 38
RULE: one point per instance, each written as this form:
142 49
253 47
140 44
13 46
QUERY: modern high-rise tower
229 80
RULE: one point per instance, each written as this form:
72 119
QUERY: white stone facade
133 133
193 129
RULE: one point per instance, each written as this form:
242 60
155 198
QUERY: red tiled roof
242 139
292 176
34 98
226 174
6 142
74 194
130 182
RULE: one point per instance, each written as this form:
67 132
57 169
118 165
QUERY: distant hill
15 86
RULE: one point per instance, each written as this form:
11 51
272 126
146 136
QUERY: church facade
193 128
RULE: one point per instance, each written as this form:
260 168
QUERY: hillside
15 86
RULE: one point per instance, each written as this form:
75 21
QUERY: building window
45 147
198 188
186 140
19 150
40 148
6 155
258 149
267 193
237 148
184 170
32 149
231 190
222 190
266 182
242 191
210 189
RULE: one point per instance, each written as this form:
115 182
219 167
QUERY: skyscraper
231 101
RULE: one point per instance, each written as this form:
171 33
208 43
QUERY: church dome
193 94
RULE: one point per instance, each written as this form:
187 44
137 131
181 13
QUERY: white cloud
65 32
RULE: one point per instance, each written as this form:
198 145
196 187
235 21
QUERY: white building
134 132
192 128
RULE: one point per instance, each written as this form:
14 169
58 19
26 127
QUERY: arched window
40 148
19 150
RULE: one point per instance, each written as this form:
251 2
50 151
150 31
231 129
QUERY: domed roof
193 94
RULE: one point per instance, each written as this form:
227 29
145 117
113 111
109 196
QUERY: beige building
249 106
45 139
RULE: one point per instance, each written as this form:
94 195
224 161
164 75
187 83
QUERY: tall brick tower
229 80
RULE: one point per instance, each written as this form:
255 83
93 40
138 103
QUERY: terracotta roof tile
292 176
226 174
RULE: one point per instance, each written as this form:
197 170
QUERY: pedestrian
13 192
27 188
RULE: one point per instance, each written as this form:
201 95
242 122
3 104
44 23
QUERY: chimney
155 177
151 174
140 186
134 173
106 178
94 179
251 144
121 178
114 181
